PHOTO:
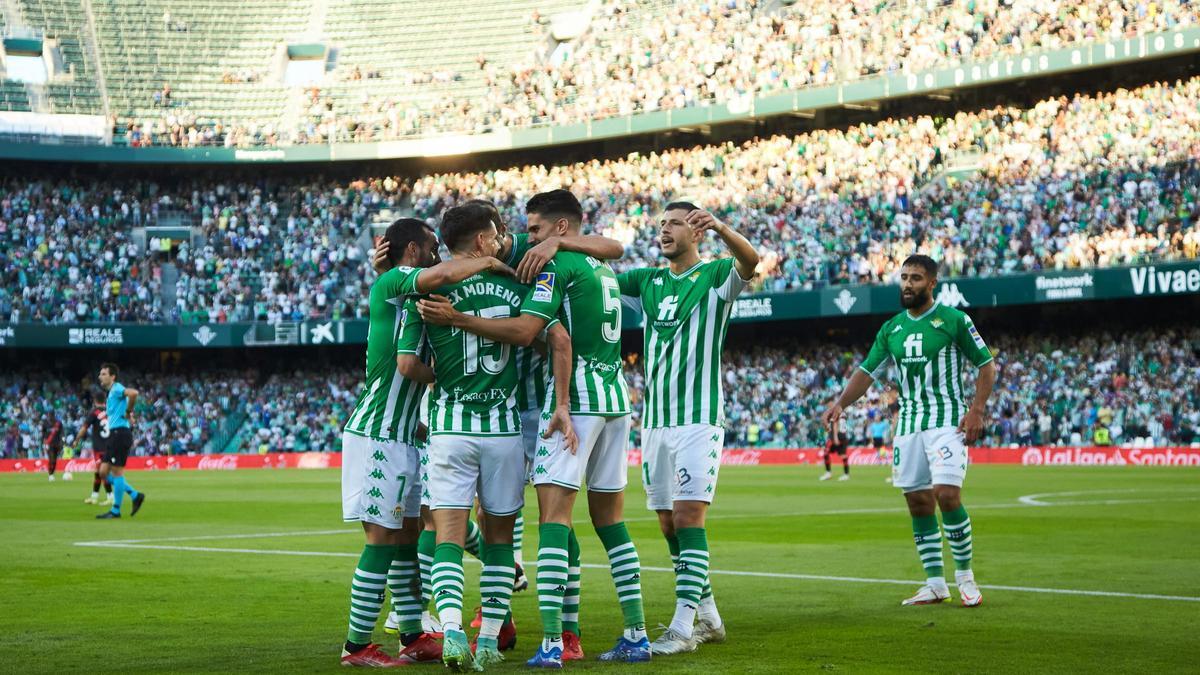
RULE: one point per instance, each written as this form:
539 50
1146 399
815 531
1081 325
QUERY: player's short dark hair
556 204
686 206
461 223
403 232
110 367
491 207
924 262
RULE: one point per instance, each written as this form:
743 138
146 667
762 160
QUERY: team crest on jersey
695 276
936 323
543 287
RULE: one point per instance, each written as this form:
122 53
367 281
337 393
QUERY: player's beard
917 299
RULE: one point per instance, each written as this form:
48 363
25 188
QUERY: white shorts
461 467
380 481
531 421
600 461
928 458
681 463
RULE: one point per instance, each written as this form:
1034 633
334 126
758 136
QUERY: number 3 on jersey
611 328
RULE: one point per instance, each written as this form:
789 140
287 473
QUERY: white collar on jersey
685 272
925 314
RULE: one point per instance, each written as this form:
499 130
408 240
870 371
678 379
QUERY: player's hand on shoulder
437 310
500 268
535 259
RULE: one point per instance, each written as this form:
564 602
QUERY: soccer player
380 463
835 442
928 343
583 292
474 437
97 421
687 307
52 438
879 430
118 408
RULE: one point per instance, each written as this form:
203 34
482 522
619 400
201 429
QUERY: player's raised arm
744 254
601 248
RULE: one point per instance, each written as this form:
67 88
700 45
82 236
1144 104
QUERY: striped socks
404 583
496 587
552 571
627 577
474 541
367 591
518 539
691 576
958 532
425 545
447 577
708 604
570 611
928 538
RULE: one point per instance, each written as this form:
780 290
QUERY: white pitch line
737 573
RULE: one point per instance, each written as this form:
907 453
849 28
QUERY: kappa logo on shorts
713 454
376 474
542 451
374 492
379 456
540 470
543 287
373 510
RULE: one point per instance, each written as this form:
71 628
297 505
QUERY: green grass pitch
220 594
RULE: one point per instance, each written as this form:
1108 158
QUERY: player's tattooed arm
858 385
562 369
519 330
601 248
972 423
744 255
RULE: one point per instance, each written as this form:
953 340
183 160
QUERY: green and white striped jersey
928 352
687 316
531 365
389 407
475 392
583 293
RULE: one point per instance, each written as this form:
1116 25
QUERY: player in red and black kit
52 437
836 443
97 421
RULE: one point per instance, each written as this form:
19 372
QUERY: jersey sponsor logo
492 394
971 330
845 301
914 349
951 296
667 308
543 287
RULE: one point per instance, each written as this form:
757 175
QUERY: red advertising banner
279 460
1028 456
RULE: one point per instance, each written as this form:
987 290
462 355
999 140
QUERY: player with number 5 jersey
592 406
687 306
929 345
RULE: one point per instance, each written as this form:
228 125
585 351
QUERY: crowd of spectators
174 414
650 55
1082 181
1050 390
300 411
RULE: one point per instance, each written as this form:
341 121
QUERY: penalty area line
732 573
